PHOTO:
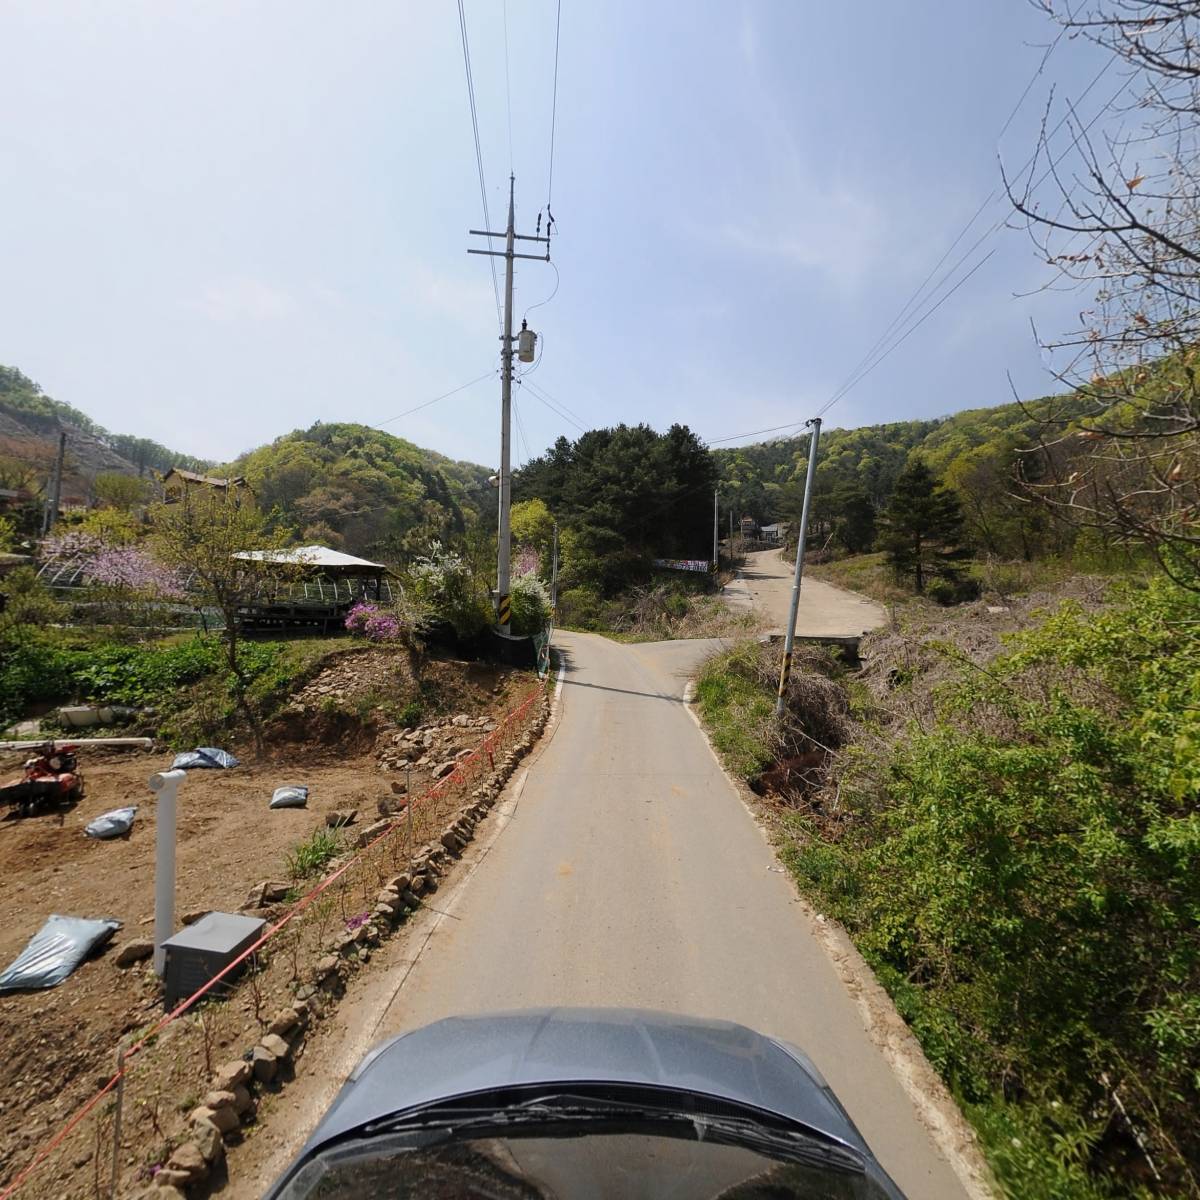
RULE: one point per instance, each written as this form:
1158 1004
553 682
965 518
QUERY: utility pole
504 528
785 669
716 540
51 514
554 575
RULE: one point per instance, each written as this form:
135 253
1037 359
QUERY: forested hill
29 425
364 491
974 451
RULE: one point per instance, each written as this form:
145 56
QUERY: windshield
550 1146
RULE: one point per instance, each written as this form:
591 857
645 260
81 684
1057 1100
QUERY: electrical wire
443 396
563 410
553 115
910 316
521 431
548 404
508 90
561 403
462 24
549 297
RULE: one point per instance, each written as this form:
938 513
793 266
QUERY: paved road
766 584
632 874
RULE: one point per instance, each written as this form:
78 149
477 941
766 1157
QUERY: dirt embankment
340 737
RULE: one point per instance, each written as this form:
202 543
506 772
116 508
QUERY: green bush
581 608
530 605
1027 880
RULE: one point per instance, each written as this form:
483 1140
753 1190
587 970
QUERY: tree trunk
919 581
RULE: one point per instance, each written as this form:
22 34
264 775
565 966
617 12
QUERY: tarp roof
312 556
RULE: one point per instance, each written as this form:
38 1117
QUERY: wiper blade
794 1144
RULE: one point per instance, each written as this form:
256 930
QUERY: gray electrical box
201 951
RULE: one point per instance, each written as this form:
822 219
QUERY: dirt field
57 1046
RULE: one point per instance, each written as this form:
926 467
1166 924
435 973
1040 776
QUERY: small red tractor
50 780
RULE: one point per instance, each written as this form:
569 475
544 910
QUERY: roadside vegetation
1006 824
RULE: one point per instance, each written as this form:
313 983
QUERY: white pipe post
164 785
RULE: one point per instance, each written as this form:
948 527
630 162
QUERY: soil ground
57 1046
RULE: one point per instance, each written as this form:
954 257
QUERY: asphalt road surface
766 584
631 873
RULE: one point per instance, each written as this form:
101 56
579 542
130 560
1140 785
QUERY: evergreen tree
854 525
923 527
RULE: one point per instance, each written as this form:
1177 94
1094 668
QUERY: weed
311 855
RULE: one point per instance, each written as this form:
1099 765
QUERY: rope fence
106 1147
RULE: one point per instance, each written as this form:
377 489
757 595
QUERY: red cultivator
51 780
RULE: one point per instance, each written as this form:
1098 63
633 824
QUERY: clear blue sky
225 220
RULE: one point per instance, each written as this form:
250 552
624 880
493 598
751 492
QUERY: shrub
444 584
530 605
581 608
373 623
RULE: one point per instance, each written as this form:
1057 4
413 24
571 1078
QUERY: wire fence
204 1073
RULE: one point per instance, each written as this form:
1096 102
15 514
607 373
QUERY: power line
508 89
910 316
443 396
521 432
561 403
548 404
553 112
487 220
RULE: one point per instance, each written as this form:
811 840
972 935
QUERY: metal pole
504 538
51 517
785 669
716 542
164 785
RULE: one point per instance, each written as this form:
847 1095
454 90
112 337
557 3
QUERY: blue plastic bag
111 824
203 756
289 797
55 951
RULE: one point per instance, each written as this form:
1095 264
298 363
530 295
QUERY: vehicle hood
553 1046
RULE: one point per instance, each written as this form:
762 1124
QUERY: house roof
211 480
773 528
312 556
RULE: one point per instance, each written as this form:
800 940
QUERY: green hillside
365 491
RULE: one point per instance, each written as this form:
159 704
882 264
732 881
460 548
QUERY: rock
207 1135
193 915
218 1099
266 1065
398 883
267 892
339 817
325 967
399 787
168 1181
464 754
462 721
230 1075
188 1161
242 1100
133 952
285 1020
444 769
276 1045
451 841
371 832
223 1119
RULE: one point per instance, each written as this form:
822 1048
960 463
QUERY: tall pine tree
923 528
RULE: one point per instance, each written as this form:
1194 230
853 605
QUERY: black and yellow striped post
504 612
785 673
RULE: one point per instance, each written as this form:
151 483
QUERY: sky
226 219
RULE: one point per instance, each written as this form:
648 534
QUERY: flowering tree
527 561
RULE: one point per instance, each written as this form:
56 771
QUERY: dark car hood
464 1055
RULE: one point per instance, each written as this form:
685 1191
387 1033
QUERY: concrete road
765 584
632 874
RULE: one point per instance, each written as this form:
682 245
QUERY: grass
736 711
314 853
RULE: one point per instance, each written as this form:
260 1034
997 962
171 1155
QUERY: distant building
773 533
178 483
748 526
